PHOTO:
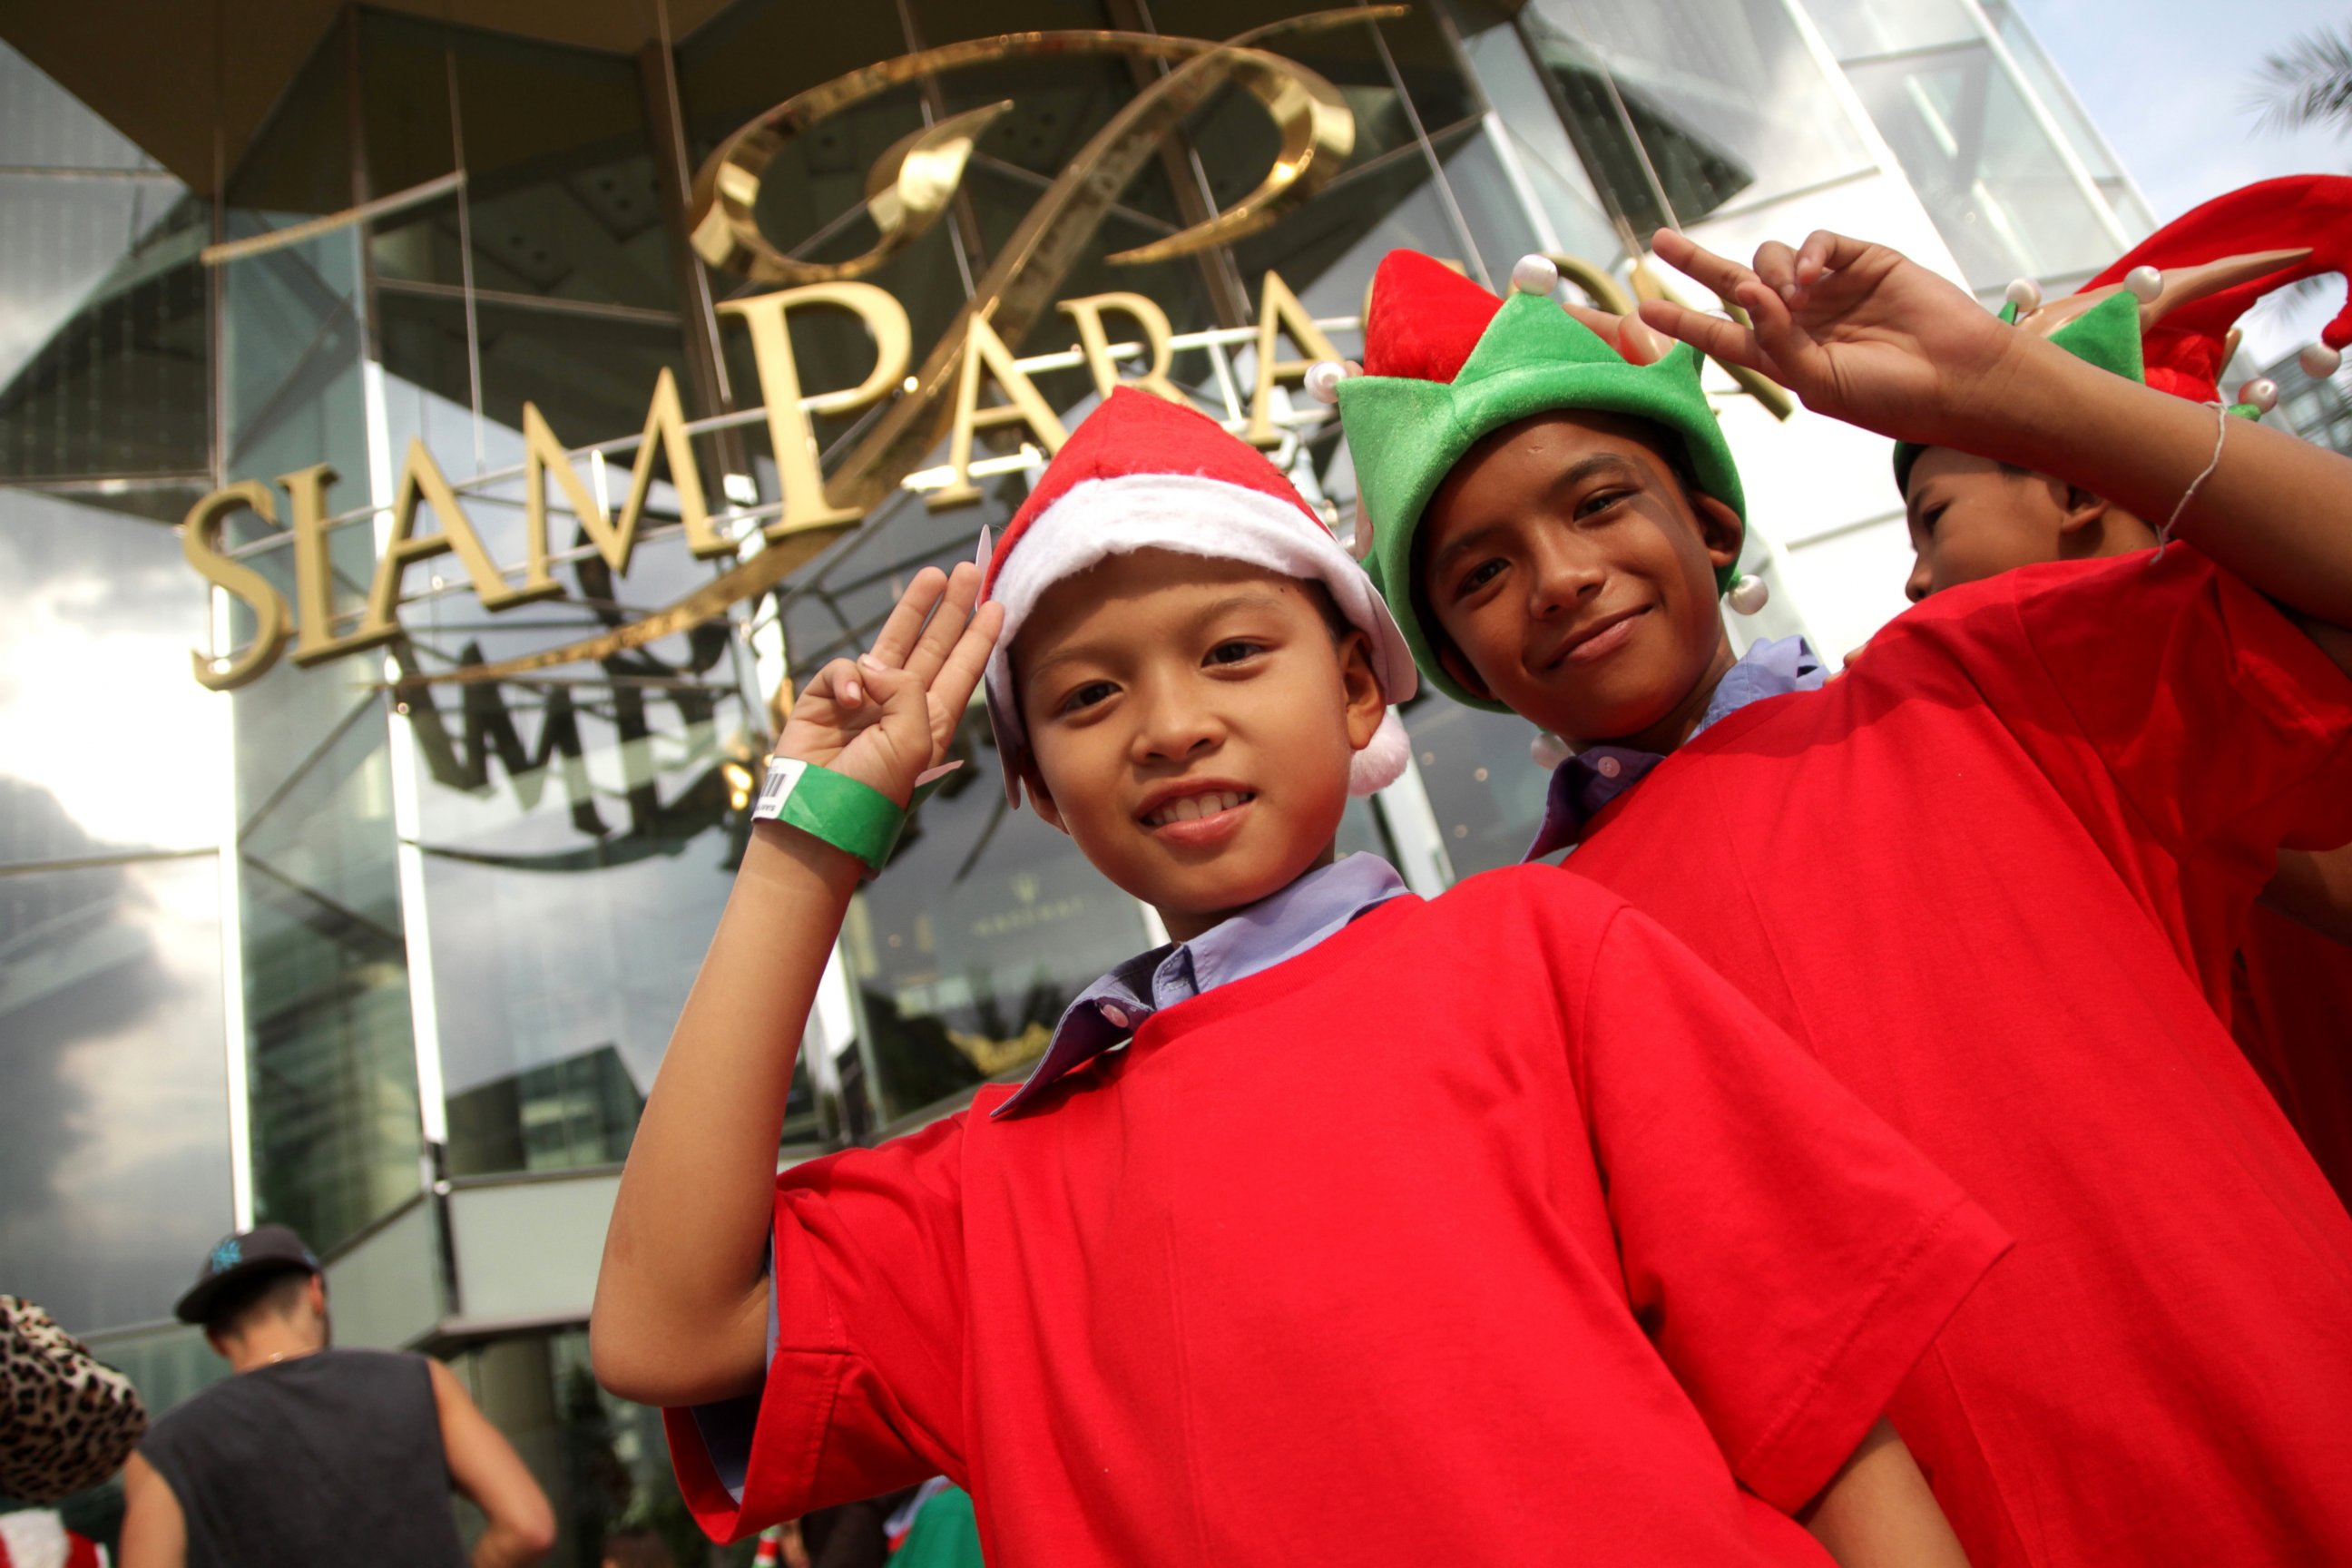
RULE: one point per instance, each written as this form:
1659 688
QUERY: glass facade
113 1093
388 949
2019 184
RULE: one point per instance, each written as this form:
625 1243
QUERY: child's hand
1857 331
885 717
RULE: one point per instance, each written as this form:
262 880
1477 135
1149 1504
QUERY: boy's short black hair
272 1293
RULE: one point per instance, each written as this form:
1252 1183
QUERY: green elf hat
1447 363
2166 312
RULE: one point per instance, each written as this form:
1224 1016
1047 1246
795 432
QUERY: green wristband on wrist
831 807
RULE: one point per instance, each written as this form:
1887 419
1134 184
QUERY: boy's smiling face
1570 575
1192 723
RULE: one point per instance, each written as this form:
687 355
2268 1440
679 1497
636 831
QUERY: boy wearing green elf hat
1977 874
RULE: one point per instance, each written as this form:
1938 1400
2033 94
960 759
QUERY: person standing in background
311 1455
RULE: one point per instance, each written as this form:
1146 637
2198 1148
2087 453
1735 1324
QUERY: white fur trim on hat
1193 515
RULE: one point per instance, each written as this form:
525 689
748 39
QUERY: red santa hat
1143 473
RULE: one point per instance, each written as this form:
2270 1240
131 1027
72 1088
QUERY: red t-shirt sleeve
2223 723
864 1388
1787 1253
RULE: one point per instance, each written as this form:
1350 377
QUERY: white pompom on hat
1143 473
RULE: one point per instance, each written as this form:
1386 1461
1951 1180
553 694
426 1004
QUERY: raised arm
1861 333
681 1298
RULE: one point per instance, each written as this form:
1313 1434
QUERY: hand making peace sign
1857 331
885 717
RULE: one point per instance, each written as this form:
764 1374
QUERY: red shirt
2293 1015
1419 1248
1957 873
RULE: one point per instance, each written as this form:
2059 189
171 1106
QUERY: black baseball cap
264 1250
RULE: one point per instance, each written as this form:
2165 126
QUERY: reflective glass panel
559 174
1695 102
332 1045
103 360
580 835
1235 139
2042 79
602 1462
114 1128
1983 167
1858 29
95 677
1527 119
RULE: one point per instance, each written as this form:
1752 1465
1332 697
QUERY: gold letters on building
909 190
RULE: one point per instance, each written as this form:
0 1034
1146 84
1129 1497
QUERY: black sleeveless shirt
330 1458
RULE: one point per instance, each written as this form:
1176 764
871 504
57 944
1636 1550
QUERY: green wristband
834 809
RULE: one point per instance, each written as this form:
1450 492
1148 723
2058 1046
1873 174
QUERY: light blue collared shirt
1266 933
1590 780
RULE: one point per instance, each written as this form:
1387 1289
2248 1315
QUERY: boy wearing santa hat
1960 873
1336 1230
2287 989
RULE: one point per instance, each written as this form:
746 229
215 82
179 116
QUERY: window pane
559 174
1719 99
102 615
593 377
1857 29
103 359
1527 117
335 1126
579 836
114 1130
1987 173
755 54
291 340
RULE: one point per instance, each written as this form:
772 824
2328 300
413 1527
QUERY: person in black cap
311 1455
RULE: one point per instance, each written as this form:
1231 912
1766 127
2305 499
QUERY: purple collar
1596 776
1266 933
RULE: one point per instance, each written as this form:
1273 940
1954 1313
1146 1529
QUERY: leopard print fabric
69 1422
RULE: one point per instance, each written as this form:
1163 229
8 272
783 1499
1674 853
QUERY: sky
2166 81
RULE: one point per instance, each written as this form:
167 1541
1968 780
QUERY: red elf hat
1143 473
2184 352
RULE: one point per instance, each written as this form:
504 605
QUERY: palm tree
2309 83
